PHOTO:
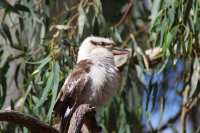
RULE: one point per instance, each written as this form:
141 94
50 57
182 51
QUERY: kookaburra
94 79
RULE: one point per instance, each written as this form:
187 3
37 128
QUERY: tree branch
127 10
83 114
34 125
187 106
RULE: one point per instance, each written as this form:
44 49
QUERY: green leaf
42 64
56 79
9 8
167 42
117 35
21 8
46 90
155 11
162 32
3 35
195 76
98 7
140 73
81 21
7 32
3 84
17 71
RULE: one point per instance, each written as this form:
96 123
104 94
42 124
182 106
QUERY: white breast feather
98 75
104 83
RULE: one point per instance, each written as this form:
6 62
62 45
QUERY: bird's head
92 44
97 47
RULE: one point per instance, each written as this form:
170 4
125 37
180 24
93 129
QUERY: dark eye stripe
103 44
100 43
93 42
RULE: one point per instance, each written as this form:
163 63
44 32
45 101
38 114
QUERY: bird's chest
98 76
103 83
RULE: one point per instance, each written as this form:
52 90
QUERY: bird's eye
94 43
98 43
103 44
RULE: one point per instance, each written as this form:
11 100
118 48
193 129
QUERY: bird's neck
82 55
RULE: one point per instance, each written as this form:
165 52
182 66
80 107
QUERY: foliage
41 38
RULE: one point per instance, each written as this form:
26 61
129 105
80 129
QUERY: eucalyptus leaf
195 77
82 19
56 79
167 42
3 84
42 64
155 10
46 89
9 8
21 8
7 32
17 71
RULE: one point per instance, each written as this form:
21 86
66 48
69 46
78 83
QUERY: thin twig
125 15
183 120
184 110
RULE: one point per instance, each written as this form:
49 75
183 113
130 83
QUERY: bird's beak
120 52
120 57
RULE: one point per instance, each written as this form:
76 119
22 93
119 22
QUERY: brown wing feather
71 89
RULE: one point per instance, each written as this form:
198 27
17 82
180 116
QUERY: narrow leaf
81 21
7 33
195 76
48 87
42 64
21 8
56 70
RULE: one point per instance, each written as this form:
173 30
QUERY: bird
94 79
